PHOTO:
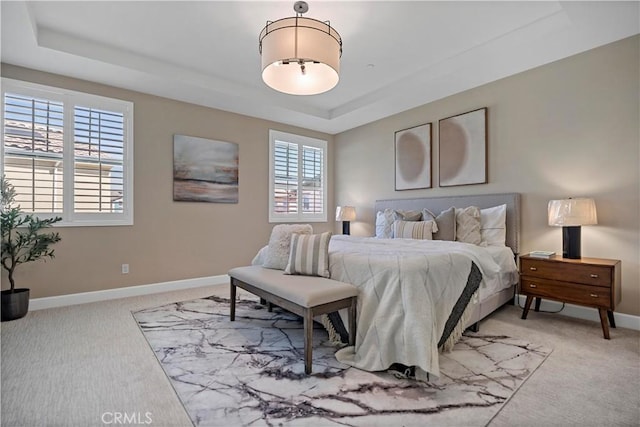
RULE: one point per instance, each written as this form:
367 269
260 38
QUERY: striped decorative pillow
309 255
385 219
414 229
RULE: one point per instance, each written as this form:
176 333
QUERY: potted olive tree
22 241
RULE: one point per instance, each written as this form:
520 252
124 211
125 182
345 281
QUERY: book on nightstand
541 254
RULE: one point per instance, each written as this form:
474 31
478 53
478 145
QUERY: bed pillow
277 255
414 229
384 224
409 215
385 219
493 226
468 225
446 223
309 255
260 256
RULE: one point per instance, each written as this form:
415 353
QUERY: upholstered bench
306 296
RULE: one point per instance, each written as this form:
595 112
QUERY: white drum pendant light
300 56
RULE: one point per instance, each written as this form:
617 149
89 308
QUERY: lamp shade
572 212
345 213
300 56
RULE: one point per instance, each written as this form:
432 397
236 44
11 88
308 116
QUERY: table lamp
571 214
345 214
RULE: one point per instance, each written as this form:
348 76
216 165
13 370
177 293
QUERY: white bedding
408 288
505 258
502 255
407 291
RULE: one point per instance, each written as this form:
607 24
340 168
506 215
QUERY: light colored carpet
70 366
251 372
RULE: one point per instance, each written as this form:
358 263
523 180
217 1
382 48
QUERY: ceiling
396 55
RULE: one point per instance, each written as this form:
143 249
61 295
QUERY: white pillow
468 225
260 256
385 219
493 226
384 224
280 242
414 229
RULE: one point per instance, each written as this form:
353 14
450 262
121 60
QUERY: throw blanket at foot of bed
409 292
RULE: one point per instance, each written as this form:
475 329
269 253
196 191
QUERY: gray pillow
446 223
277 255
409 215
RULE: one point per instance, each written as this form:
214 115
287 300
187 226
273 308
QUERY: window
297 178
68 154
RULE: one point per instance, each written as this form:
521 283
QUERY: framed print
463 149
413 157
204 170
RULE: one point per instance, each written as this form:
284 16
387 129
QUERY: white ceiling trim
550 31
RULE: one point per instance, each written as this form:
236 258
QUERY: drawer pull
533 269
594 295
531 285
594 276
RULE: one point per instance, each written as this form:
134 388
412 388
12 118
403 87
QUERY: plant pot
15 304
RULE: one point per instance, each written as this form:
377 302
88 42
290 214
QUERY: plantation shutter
68 154
297 181
312 185
33 151
98 183
285 191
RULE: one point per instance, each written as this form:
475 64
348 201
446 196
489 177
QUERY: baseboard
131 291
622 320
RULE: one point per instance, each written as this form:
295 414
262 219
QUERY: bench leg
308 340
352 321
233 301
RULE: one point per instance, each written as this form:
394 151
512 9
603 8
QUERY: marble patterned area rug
250 372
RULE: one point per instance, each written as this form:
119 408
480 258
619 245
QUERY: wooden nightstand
593 282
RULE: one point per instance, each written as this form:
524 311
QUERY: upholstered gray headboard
439 204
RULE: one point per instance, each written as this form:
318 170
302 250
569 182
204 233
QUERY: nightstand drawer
594 296
594 275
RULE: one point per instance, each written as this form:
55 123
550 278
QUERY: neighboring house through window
297 178
68 154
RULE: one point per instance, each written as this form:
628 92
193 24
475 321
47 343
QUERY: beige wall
169 240
570 128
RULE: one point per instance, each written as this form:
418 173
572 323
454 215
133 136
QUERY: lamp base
345 227
571 245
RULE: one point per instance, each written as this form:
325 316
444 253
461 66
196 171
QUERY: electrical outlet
125 268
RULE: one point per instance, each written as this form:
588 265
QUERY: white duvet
407 291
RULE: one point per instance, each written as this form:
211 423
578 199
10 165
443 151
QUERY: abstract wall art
204 170
463 149
413 157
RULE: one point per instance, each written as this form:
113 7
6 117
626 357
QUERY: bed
415 296
437 204
407 312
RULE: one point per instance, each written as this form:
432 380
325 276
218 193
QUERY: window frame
70 99
300 140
